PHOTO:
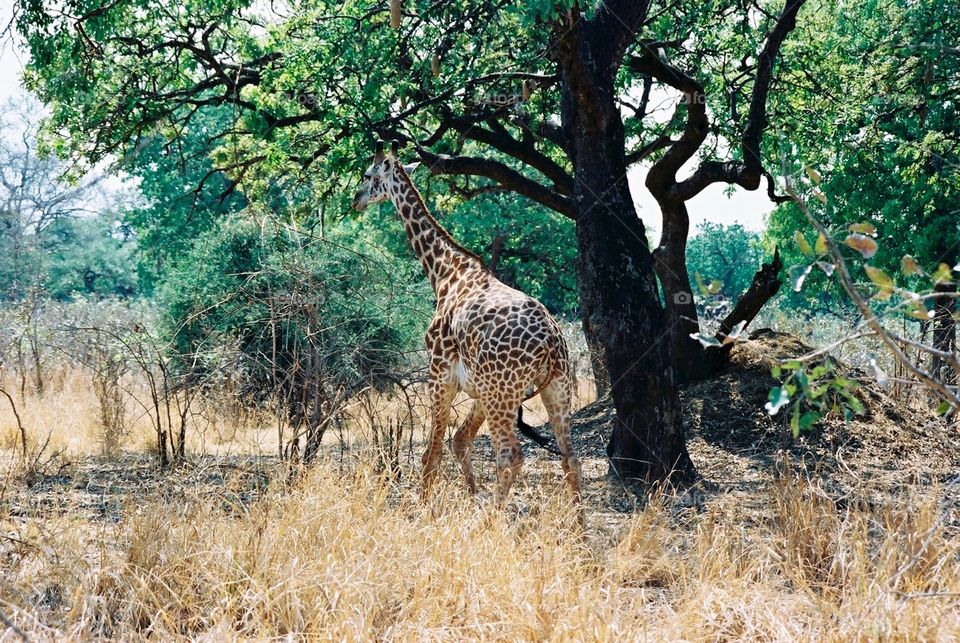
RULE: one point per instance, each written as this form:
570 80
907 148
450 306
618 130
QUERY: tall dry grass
68 418
341 552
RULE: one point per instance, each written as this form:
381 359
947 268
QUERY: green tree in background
880 124
723 259
528 246
89 256
310 320
58 234
182 195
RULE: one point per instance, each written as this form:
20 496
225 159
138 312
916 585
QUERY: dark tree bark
618 288
944 332
598 363
766 283
681 310
708 362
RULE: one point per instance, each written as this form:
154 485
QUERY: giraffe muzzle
359 202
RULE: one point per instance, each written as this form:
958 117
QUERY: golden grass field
230 546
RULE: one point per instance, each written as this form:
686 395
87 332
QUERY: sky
743 207
11 65
746 208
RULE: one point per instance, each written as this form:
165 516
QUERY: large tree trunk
618 292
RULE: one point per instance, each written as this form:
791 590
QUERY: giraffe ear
410 168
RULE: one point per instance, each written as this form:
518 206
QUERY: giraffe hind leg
506 447
463 442
557 400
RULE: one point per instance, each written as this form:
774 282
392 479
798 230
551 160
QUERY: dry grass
112 548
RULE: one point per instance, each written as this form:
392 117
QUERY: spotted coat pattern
491 341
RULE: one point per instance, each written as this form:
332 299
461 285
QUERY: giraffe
495 343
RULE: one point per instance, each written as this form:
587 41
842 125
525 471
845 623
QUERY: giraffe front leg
442 392
463 442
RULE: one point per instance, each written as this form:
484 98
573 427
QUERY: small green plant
812 392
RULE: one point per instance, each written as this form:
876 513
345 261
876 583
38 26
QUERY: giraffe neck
442 258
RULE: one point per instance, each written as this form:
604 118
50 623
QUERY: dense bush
292 318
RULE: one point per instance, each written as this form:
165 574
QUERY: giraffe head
382 173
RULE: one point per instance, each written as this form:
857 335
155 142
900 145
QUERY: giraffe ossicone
489 340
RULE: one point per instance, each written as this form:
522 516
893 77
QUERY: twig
828 348
23 431
13 626
905 596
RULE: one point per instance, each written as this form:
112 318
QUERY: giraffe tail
541 440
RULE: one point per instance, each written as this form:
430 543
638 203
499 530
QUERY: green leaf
803 244
701 286
855 405
821 245
919 311
778 397
883 282
942 275
820 370
808 419
802 379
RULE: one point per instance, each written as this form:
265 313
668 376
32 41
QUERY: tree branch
503 174
499 138
748 172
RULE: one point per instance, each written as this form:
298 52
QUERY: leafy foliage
723 259
811 392
881 124
300 310
92 256
182 195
